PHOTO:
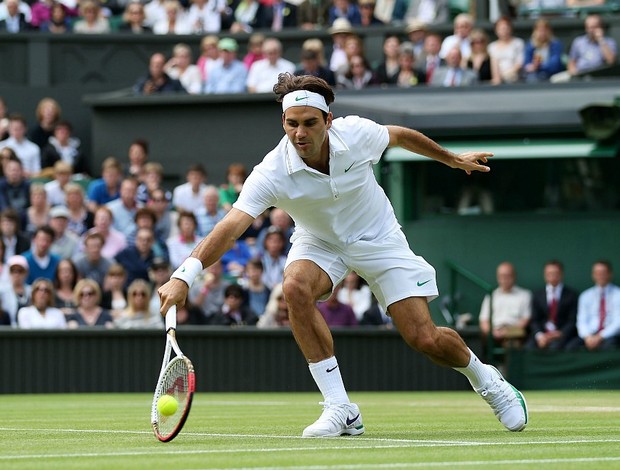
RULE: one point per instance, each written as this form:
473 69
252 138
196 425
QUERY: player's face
307 130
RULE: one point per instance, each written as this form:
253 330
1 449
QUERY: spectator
235 177
14 240
359 75
407 75
114 241
246 15
512 307
353 46
263 74
62 146
278 15
55 189
41 314
315 44
391 11
543 53
463 24
59 22
15 189
159 273
598 312
276 312
205 16
124 208
65 279
14 21
66 244
229 75
453 74
180 67
155 12
311 65
107 188
256 292
207 292
340 31
387 71
16 293
416 33
114 296
23 7
235 259
138 155
88 313
593 49
507 53
479 61
93 21
157 81
175 21
210 213
234 312
181 246
189 196
91 264
48 114
41 262
554 311
335 312
428 11
428 60
278 218
28 152
158 204
37 214
209 56
345 9
137 259
355 293
6 154
134 19
312 14
273 258
80 218
146 218
137 314
367 13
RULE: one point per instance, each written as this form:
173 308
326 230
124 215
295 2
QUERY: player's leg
445 347
304 283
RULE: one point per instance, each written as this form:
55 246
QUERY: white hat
59 211
341 25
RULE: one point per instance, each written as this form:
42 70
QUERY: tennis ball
167 405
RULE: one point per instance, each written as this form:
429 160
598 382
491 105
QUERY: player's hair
288 83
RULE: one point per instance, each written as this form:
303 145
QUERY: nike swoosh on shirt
420 284
350 166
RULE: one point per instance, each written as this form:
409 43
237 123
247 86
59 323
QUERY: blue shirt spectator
229 75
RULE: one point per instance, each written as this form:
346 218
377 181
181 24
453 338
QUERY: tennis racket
176 379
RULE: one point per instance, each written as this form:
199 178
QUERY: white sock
327 376
476 371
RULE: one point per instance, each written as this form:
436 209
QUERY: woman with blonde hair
87 297
180 67
137 313
38 214
543 53
276 311
479 60
93 21
41 314
114 296
80 218
175 21
48 113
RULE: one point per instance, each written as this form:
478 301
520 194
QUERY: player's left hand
472 161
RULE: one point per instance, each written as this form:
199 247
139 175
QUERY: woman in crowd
42 313
87 297
37 214
507 53
543 53
93 21
387 71
479 60
137 314
358 76
80 218
17 293
276 312
48 114
114 296
180 67
65 279
356 294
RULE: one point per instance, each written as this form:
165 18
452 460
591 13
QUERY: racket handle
171 318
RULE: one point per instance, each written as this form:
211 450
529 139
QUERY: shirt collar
295 163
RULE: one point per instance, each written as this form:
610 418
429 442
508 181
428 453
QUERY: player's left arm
417 142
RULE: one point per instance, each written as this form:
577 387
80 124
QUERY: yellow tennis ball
167 405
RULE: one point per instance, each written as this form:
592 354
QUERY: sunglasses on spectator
87 293
43 289
139 294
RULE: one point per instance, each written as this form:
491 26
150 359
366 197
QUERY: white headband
304 98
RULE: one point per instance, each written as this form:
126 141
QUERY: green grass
567 430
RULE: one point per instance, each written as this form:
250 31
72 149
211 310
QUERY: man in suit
554 311
453 74
14 21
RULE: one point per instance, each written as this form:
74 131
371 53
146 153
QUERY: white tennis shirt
340 208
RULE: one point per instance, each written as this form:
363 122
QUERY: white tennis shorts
392 270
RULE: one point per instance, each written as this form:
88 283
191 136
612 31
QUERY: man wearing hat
16 293
341 29
229 75
416 32
65 243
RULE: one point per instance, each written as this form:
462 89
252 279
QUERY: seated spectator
235 259
210 213
311 65
507 53
181 246
391 11
14 21
59 22
28 152
312 15
276 311
263 74
41 314
80 218
6 154
137 314
107 188
453 74
157 80
91 263
355 293
429 11
353 46
277 218
345 9
463 24
114 295
180 67
209 56
159 273
543 53
205 16
189 196
593 49
416 34
125 207
554 311
92 19
407 76
387 71
17 292
65 279
159 204
66 244
41 262
175 22
137 259
598 312
234 312
15 190
229 192
246 15
14 240
38 213
512 308
138 156
114 241
229 75
48 114
207 292
277 15
367 13
55 189
256 292
479 61
359 75
133 19
340 31
150 181
428 60
146 218
88 313
335 312
274 258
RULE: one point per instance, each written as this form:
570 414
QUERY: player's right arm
208 251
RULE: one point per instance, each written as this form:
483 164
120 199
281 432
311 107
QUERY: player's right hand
173 292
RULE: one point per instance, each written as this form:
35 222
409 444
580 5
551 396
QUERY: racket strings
176 383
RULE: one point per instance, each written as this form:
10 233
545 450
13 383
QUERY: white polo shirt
340 208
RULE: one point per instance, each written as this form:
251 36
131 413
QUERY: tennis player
321 174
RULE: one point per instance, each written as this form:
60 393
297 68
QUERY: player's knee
296 291
422 341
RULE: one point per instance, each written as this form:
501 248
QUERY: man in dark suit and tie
554 311
452 73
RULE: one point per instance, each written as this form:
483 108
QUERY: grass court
455 430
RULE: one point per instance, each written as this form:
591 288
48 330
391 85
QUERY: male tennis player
321 174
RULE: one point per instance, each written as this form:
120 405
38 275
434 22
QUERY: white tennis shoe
336 420
507 402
